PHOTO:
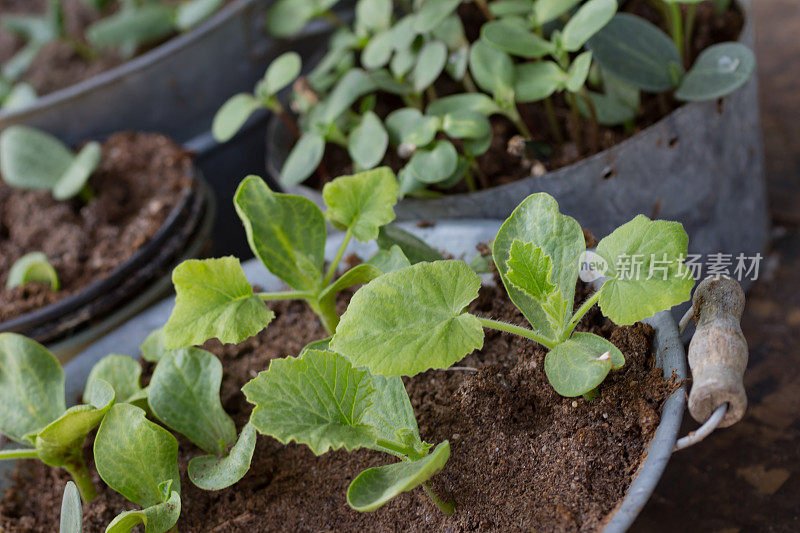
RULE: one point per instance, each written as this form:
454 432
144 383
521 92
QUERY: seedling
527 51
408 321
32 268
319 399
33 411
33 159
71 510
288 234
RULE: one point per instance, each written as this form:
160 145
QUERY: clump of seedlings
451 86
408 321
288 234
129 27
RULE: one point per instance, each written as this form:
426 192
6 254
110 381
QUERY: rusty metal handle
717 356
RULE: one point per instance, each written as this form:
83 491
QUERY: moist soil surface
522 457
508 159
141 178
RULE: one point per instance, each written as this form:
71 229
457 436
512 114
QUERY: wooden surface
747 477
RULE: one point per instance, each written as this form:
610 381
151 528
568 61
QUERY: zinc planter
459 239
701 165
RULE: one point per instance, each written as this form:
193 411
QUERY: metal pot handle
717 357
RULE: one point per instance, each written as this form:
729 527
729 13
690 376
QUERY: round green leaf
74 178
409 126
466 124
587 21
121 372
281 72
430 64
367 143
719 70
33 267
304 159
379 50
152 347
373 487
434 165
581 363
216 473
158 518
546 10
408 321
609 111
32 159
432 13
515 40
637 52
536 81
190 14
232 116
492 69
579 71
287 17
362 202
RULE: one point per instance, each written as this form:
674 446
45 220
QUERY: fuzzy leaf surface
121 372
362 202
579 364
158 518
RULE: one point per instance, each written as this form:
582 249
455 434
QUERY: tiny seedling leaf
492 69
158 518
135 456
515 40
367 143
71 510
184 395
287 17
719 70
416 250
132 27
153 346
121 372
610 111
536 81
318 399
391 413
281 72
581 363
190 13
435 164
32 159
214 299
362 202
410 127
74 178
210 472
429 330
466 124
373 15
431 61
375 486
32 268
352 86
579 71
286 232
463 102
587 21
432 13
232 116
304 158
389 260
546 10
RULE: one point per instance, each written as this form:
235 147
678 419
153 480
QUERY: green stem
87 194
25 453
276 107
513 116
591 395
551 118
335 263
447 507
517 330
689 28
676 26
286 295
406 451
77 469
469 85
582 310
577 134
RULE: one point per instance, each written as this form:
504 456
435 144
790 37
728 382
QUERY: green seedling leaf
214 299
435 164
318 399
135 456
416 250
32 268
373 487
232 116
515 40
153 346
71 510
132 27
216 473
304 159
402 61
637 52
719 70
31 388
392 415
581 363
158 518
367 143
362 202
621 90
560 237
121 372
74 178
530 270
280 73
383 81
320 345
409 126
546 10
32 159
20 96
587 21
184 395
357 275
430 331
451 32
191 13
466 124
373 15
59 444
492 69
609 111
536 81
509 8
389 260
287 17
579 71
457 63
286 232
378 51
463 102
353 85
430 64
432 13
645 260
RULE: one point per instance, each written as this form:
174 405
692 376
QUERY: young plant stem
339 254
287 120
474 166
517 330
469 85
80 475
594 139
469 179
676 26
691 12
577 136
447 507
484 7
406 451
513 116
591 395
25 453
87 194
582 310
430 92
551 118
286 295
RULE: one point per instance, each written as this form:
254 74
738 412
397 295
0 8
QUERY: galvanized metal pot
701 165
459 239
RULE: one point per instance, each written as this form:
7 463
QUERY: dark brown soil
502 163
523 458
141 178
